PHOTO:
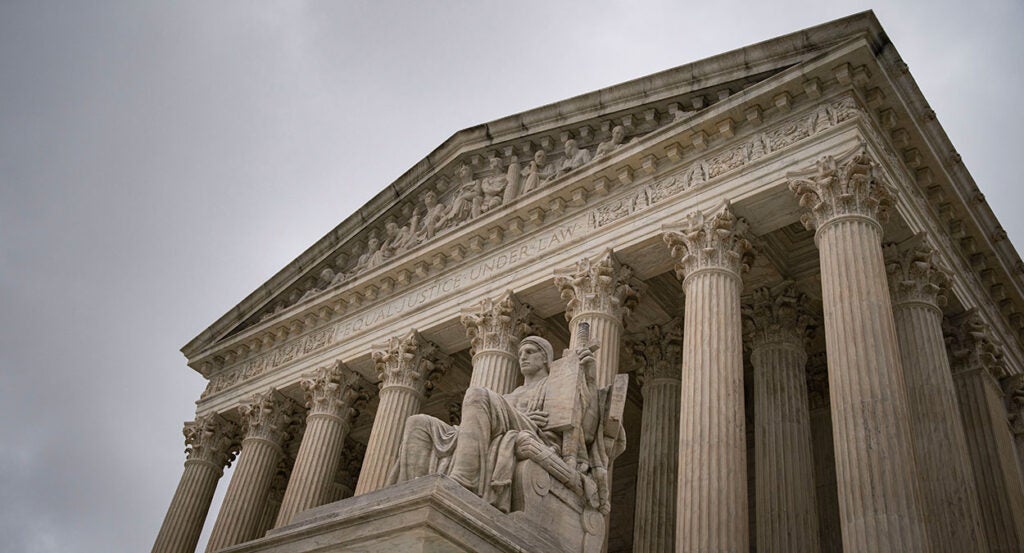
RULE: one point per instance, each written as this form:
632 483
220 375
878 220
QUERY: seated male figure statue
499 431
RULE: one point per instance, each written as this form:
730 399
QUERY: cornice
764 57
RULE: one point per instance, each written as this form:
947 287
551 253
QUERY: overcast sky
160 162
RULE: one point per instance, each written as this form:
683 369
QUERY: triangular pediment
486 171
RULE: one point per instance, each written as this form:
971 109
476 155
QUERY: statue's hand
587 362
540 418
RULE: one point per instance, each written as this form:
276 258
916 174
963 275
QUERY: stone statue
434 217
538 172
575 157
493 186
613 143
469 199
559 422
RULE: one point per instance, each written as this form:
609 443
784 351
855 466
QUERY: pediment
487 172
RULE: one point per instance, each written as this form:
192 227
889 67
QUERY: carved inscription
442 287
702 170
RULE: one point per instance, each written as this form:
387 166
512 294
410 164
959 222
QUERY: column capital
603 285
778 315
915 275
657 351
497 324
410 361
270 415
972 346
211 439
847 186
334 390
1013 388
710 241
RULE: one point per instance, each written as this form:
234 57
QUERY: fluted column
495 328
830 534
711 504
601 293
658 358
875 468
269 418
977 362
950 498
786 505
331 395
210 445
407 367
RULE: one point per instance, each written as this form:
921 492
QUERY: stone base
432 514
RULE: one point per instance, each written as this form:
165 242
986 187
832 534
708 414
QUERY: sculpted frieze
699 171
434 217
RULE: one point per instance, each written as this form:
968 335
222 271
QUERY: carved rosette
835 189
778 315
211 439
334 390
971 346
710 241
497 325
600 286
410 361
915 275
657 353
270 416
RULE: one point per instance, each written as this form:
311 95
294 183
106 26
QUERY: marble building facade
821 320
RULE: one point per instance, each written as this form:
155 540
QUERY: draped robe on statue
481 453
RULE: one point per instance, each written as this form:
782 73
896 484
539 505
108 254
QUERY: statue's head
535 355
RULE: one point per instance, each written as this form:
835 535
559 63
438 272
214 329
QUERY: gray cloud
158 163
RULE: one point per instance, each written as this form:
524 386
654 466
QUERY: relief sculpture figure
575 157
613 143
575 444
538 172
493 186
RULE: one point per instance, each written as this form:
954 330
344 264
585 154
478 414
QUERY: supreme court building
821 320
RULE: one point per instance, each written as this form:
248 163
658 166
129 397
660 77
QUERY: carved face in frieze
540 158
570 148
430 199
618 134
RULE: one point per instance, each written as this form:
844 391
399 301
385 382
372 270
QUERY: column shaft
187 513
830 534
397 403
950 498
245 500
711 508
655 522
875 466
605 330
495 370
317 462
786 504
996 472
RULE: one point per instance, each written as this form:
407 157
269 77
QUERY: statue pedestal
432 514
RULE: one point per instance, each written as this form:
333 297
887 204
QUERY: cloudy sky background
159 161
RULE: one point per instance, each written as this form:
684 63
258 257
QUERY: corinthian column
495 329
331 396
977 363
210 445
786 506
270 419
407 368
711 505
950 498
658 358
599 293
879 498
